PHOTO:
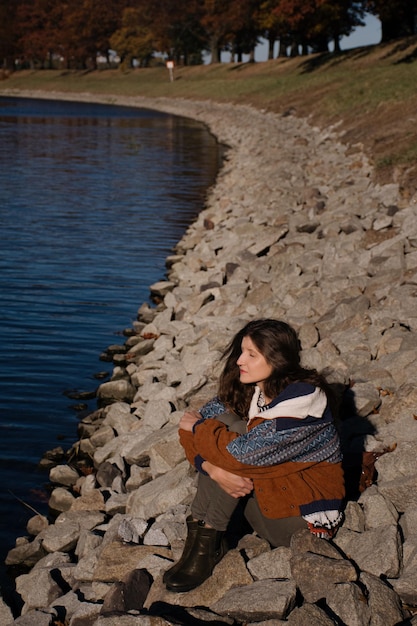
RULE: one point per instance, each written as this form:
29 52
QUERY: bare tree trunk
214 50
294 49
271 44
282 52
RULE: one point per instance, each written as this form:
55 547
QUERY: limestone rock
266 599
376 551
118 559
153 498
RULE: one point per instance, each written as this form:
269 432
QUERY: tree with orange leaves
168 27
225 22
8 33
74 31
312 24
37 26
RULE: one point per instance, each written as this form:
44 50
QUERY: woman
268 437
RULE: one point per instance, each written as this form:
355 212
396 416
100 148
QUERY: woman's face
252 364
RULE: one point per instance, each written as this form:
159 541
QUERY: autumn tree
134 39
40 31
245 31
339 19
8 33
75 31
398 17
86 29
273 26
169 27
312 24
178 29
225 23
38 24
331 21
297 16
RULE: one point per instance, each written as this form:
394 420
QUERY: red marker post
170 66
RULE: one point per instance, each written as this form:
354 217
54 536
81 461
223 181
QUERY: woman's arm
271 452
235 486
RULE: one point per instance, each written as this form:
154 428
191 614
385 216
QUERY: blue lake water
92 200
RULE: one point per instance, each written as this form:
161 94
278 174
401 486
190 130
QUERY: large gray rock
378 511
376 551
64 534
406 583
166 491
117 559
26 553
127 594
266 599
61 499
316 575
116 391
63 475
384 604
272 564
6 616
348 602
38 589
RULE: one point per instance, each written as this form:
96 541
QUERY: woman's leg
277 531
211 504
205 546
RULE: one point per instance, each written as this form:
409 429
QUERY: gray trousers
215 507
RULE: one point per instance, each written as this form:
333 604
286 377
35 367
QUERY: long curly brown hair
277 341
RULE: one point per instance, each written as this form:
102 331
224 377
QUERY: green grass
339 83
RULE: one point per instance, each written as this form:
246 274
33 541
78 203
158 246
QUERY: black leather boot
207 550
191 535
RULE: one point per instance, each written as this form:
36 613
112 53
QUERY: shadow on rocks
358 465
128 594
182 617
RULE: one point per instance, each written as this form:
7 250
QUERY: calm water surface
92 200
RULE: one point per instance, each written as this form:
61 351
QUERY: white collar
300 407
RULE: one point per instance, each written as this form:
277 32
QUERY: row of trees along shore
73 33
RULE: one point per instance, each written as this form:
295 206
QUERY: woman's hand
188 420
234 485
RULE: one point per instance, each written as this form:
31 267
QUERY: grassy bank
370 93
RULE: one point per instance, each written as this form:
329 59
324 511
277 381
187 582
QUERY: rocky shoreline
294 228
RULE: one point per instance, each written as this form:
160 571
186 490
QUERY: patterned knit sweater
291 451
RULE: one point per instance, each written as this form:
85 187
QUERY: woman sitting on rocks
267 438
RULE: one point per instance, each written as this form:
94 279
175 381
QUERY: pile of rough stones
296 229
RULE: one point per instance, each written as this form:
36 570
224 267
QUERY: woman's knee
277 532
